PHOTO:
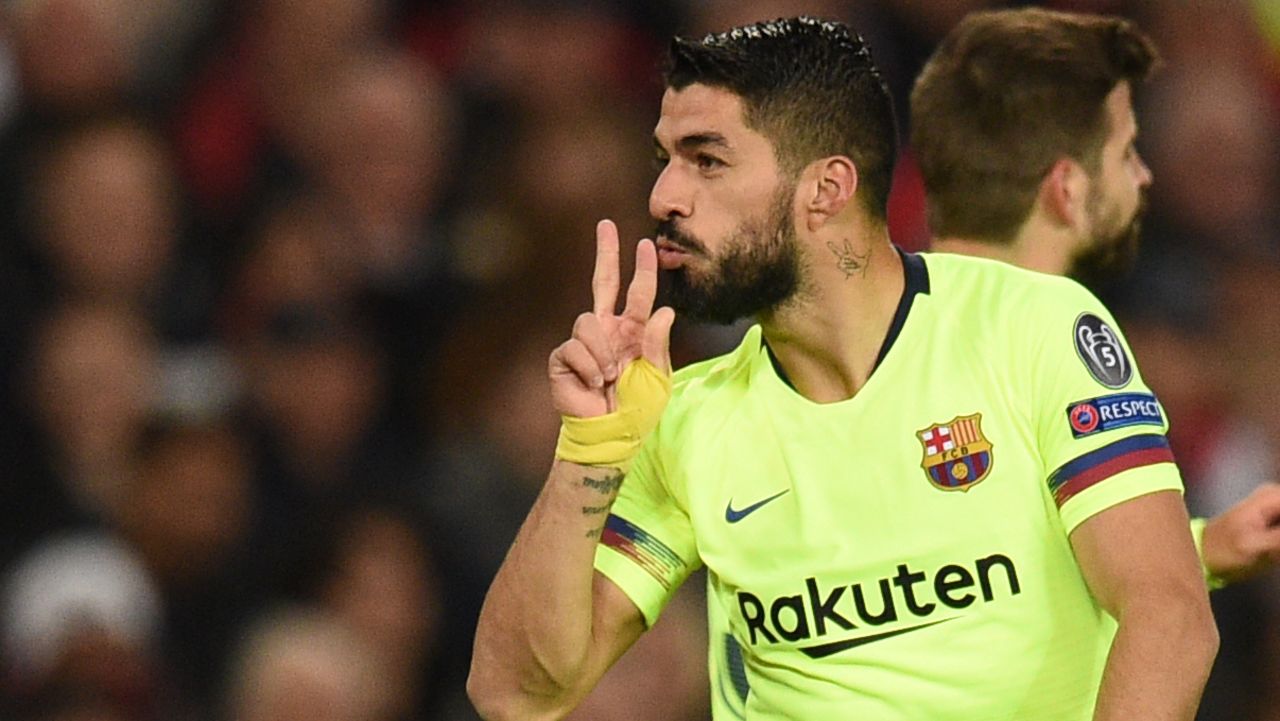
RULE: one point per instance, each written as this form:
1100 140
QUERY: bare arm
551 626
1245 540
1140 563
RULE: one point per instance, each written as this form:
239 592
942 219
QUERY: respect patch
1119 410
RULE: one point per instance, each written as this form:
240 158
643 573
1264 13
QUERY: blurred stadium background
278 279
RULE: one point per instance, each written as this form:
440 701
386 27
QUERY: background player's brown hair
1006 95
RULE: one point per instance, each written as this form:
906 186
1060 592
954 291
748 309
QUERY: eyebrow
695 141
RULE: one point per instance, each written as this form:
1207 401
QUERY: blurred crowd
278 282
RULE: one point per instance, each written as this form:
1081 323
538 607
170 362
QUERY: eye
660 162
708 163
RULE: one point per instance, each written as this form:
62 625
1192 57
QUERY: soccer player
898 516
1064 107
1013 90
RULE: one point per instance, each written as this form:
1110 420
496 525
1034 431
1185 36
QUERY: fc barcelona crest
956 454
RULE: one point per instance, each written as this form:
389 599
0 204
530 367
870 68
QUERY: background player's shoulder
967 267
999 284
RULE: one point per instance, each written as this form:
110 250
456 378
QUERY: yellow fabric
1197 533
855 585
613 439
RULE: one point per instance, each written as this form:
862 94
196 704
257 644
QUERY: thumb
657 339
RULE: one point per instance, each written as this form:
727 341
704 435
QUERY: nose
1145 176
670 195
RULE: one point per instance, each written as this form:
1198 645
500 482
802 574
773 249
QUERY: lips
670 255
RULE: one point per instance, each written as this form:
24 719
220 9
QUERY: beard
758 270
1112 254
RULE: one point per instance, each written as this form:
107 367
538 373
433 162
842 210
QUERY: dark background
278 280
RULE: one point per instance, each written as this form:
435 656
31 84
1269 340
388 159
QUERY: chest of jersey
901 555
936 474
858 534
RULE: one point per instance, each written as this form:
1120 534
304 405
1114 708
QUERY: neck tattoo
848 260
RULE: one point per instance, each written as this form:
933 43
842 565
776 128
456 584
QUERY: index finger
604 280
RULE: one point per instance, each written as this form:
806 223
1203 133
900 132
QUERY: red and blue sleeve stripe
644 549
1112 459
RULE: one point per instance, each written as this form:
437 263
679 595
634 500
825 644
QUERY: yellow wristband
613 439
1197 534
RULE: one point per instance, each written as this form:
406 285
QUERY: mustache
668 231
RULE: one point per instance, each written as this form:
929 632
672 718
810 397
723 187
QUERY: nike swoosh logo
733 516
826 649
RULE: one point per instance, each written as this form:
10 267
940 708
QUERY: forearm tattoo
607 486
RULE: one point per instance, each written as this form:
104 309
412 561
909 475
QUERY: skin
551 626
1062 226
1073 211
1137 556
827 335
544 641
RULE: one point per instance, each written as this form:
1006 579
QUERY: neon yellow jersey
904 554
725 666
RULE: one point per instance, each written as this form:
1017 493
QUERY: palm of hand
584 370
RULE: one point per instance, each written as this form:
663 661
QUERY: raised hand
1245 540
584 370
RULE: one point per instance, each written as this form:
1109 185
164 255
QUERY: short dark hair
1005 95
808 85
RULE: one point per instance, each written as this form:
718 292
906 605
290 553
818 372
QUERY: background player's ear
1064 191
834 181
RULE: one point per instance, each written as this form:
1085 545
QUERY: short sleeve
1100 430
647 548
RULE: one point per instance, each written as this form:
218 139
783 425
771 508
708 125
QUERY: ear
1064 192
832 183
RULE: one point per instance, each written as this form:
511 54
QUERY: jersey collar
916 275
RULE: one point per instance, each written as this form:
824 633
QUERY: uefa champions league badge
957 456
1099 348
